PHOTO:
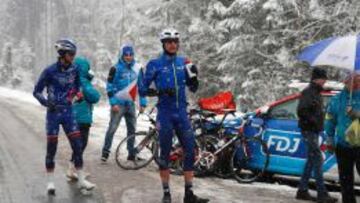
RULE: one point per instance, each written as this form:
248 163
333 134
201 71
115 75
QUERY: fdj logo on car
285 143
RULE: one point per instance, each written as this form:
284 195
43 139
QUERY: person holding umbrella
342 123
311 122
342 111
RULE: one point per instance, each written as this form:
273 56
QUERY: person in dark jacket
83 109
311 122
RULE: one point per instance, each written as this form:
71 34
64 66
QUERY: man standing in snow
172 74
311 121
122 89
62 83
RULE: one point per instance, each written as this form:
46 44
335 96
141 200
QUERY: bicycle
208 132
147 149
176 154
246 164
145 145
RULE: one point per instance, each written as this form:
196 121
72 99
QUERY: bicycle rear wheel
145 145
250 159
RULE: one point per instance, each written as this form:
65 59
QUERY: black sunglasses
171 41
71 53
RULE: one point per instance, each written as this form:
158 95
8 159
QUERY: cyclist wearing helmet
172 74
61 81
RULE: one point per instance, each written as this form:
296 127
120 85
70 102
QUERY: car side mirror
263 112
264 109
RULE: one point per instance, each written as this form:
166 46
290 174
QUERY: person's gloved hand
192 72
51 106
152 92
194 69
169 92
79 97
194 81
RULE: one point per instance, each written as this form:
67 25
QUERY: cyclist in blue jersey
172 74
61 81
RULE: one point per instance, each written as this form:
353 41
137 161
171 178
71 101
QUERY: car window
287 110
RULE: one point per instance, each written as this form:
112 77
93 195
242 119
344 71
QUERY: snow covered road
22 150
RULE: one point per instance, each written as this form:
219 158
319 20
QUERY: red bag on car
222 100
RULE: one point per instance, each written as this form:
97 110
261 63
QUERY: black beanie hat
318 73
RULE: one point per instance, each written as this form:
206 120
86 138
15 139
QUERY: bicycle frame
203 120
240 135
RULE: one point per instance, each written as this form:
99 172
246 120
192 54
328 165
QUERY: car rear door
283 138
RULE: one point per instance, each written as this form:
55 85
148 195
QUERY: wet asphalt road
22 173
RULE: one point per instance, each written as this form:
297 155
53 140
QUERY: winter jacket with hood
83 110
123 81
337 119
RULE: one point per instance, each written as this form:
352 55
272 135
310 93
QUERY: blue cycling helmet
64 46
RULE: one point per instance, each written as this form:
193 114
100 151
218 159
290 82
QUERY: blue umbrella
341 52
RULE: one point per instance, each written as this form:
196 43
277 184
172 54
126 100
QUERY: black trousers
84 131
347 158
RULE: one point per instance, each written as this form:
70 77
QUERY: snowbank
18 95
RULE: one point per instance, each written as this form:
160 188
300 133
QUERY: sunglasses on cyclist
176 41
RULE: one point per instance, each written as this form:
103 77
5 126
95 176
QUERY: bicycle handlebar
209 114
151 119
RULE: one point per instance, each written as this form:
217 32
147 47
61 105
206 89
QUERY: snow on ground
18 95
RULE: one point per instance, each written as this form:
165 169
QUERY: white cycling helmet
169 33
65 45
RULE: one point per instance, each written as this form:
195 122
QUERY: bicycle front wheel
250 159
144 146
